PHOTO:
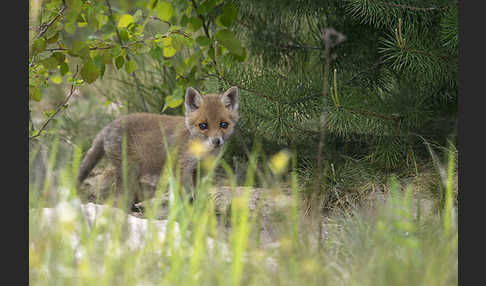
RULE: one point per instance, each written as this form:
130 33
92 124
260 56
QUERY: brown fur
145 134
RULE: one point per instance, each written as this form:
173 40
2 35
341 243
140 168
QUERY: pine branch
412 7
241 87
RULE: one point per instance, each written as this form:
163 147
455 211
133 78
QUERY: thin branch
443 57
299 47
370 114
46 26
241 87
32 127
366 70
123 46
205 26
58 109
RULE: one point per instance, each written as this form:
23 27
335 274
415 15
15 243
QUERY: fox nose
217 141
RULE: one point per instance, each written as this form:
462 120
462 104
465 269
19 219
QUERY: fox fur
210 119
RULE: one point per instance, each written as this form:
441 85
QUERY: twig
125 46
371 114
46 26
240 87
58 109
205 27
299 47
444 58
32 127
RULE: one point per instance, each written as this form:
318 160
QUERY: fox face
211 118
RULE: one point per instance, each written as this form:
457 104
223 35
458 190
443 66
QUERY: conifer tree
384 76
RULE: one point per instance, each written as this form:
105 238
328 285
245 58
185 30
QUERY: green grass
389 246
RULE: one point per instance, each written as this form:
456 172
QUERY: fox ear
231 98
192 100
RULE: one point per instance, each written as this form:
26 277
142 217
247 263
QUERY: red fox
210 119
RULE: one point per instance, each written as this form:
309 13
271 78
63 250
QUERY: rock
134 234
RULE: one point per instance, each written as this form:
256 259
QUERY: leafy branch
60 107
45 27
412 7
206 32
123 46
133 75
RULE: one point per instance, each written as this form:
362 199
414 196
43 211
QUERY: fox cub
210 119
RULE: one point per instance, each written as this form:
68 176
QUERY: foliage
74 41
391 81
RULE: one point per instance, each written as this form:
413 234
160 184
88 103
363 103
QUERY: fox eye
203 126
223 125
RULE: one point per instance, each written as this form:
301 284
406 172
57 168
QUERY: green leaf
164 10
238 58
174 100
39 45
60 57
190 61
167 42
194 23
138 15
168 50
49 63
125 20
99 62
226 38
92 20
90 71
107 57
130 66
76 6
123 34
188 41
156 52
177 41
230 12
206 7
69 27
35 93
175 28
57 79
53 39
81 49
51 32
64 68
116 50
203 41
119 61
101 19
